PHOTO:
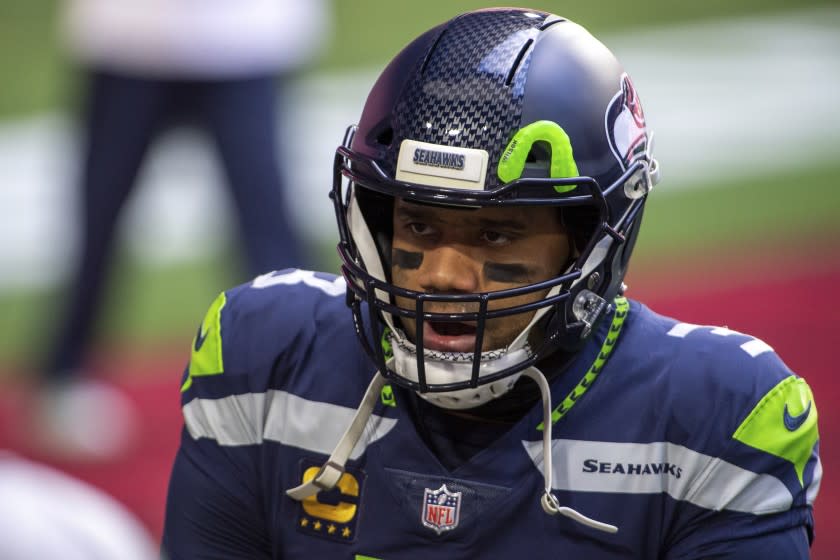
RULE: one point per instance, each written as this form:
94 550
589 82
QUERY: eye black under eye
506 272
408 260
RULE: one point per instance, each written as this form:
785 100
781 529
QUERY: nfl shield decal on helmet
441 509
625 124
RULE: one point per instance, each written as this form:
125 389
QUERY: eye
493 237
420 228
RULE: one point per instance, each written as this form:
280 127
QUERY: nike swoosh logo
201 336
792 423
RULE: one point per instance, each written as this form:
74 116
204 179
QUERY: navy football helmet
498 107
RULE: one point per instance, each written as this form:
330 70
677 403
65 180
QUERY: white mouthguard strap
548 500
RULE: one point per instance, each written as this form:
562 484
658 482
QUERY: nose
449 269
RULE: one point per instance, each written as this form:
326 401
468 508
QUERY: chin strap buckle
326 479
551 506
586 308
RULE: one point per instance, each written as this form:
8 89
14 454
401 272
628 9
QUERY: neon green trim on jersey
783 423
622 308
206 358
563 165
387 395
363 557
387 349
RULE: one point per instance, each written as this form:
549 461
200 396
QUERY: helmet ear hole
381 135
385 137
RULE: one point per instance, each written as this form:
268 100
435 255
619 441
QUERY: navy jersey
693 440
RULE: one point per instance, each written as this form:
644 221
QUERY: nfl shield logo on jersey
441 509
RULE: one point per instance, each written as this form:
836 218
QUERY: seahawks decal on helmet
625 124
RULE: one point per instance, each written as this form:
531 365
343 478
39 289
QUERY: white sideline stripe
251 418
705 481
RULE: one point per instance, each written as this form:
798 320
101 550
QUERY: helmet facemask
462 379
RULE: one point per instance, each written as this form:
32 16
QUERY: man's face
462 251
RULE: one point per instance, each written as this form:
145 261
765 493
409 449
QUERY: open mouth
449 337
452 329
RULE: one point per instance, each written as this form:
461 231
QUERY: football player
491 392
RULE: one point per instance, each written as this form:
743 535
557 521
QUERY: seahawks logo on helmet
625 124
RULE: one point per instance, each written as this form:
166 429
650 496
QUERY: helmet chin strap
331 471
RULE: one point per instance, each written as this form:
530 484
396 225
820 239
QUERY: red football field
788 305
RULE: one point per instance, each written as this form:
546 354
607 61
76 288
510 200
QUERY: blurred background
742 231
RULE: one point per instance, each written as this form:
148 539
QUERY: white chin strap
331 471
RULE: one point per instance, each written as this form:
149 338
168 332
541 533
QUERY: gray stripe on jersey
279 416
649 468
232 420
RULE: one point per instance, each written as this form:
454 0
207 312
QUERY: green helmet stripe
563 165
783 423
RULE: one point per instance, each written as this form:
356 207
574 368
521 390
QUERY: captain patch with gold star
331 514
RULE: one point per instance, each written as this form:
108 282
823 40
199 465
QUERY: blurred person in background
148 66
47 514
